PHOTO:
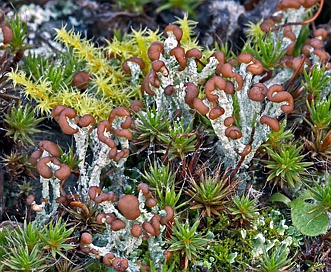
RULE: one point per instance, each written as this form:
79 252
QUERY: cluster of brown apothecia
47 157
312 46
48 166
270 22
130 213
225 79
62 114
42 163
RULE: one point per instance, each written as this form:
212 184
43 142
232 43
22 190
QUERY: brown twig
295 73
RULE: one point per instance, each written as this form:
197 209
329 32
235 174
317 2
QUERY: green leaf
305 195
278 197
307 219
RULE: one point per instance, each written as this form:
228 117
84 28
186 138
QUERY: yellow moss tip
187 27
